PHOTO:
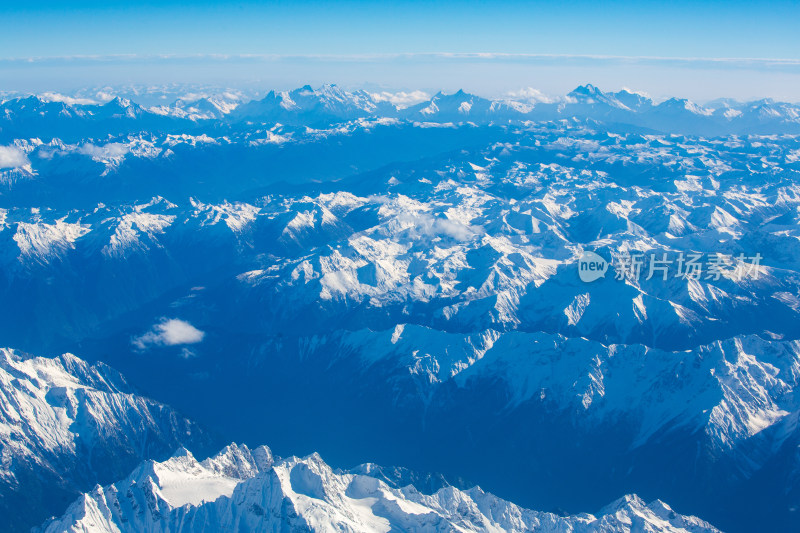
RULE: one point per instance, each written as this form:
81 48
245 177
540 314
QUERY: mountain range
248 490
32 115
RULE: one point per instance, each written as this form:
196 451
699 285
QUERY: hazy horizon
698 50
487 75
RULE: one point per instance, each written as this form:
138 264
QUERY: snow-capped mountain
306 106
244 490
456 107
205 108
66 425
34 116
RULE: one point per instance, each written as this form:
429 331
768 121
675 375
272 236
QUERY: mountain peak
118 101
182 453
586 90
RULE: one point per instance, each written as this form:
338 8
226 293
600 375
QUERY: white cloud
640 93
193 97
58 97
401 99
108 151
427 225
169 332
104 96
187 353
529 94
12 157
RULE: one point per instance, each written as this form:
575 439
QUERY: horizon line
743 61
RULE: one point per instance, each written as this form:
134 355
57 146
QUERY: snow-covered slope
65 425
244 490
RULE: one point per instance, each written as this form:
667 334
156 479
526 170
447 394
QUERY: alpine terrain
565 301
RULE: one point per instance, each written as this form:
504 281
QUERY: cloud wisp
740 62
12 157
169 332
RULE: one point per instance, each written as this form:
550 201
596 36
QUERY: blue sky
638 36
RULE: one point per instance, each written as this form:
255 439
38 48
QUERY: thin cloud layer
401 99
108 151
69 100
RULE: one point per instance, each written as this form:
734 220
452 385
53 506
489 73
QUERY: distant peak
119 102
588 90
